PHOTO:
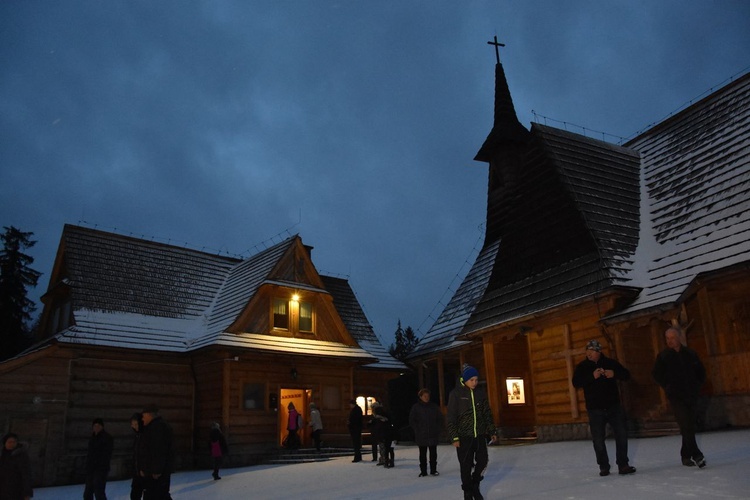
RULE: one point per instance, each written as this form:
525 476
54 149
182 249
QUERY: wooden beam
707 321
567 353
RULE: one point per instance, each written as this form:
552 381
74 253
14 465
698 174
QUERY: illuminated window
280 314
305 317
293 315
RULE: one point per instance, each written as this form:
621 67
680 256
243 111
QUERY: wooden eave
512 327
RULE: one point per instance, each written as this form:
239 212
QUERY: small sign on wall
516 394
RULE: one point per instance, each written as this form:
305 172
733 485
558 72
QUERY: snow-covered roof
137 294
695 201
356 322
576 217
451 322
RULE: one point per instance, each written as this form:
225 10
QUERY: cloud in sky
221 124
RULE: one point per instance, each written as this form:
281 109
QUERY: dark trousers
598 420
472 459
423 459
357 444
217 465
685 412
157 488
136 487
316 438
375 451
96 483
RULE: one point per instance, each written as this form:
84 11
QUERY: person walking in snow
98 457
470 424
679 371
426 420
218 448
15 470
597 375
156 455
354 424
316 423
136 484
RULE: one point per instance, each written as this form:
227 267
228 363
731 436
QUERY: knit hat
468 372
594 345
98 421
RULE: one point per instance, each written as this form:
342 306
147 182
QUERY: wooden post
441 382
492 389
226 389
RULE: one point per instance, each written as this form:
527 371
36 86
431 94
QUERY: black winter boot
475 491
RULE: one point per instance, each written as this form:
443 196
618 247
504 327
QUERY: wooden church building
129 322
591 240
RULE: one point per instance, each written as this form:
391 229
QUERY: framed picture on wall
516 395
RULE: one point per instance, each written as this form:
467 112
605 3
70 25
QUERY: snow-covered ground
564 470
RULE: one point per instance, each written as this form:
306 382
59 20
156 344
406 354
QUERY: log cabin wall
718 315
113 386
33 404
556 345
71 387
254 428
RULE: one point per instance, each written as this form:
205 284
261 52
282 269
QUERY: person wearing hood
15 470
597 375
470 425
426 420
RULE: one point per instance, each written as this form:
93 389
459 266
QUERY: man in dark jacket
97 461
598 376
136 484
155 455
679 371
426 420
354 425
15 470
470 424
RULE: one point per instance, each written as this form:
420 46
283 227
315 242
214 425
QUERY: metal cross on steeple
497 51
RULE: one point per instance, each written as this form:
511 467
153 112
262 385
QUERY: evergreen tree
15 278
406 341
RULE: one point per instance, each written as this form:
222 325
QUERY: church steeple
505 151
506 128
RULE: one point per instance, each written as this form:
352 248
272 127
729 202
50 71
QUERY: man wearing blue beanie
470 423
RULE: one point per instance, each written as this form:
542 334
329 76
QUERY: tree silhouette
15 278
406 341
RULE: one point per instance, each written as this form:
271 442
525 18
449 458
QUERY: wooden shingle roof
696 195
133 293
451 322
356 322
583 216
571 234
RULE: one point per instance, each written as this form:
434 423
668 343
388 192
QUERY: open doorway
300 398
